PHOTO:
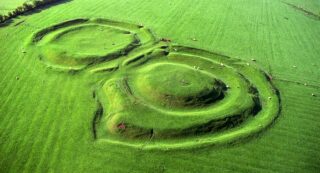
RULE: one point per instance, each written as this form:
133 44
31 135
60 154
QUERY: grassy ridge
46 116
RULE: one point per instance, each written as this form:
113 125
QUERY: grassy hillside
46 114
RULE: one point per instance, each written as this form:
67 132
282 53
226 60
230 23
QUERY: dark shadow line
308 13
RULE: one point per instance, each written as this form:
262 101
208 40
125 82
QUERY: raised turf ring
180 97
79 43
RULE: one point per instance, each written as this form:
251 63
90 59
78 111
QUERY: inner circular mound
90 40
174 85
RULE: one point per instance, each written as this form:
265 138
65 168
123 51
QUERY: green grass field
161 86
8 6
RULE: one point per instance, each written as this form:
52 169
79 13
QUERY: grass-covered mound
46 116
76 44
172 85
181 97
174 96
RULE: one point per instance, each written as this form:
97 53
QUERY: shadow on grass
303 10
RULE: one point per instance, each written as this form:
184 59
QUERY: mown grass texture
46 115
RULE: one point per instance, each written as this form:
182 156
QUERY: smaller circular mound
174 85
77 47
76 44
90 41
